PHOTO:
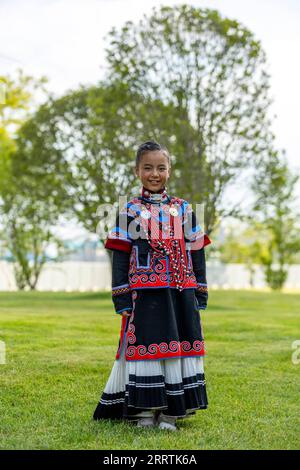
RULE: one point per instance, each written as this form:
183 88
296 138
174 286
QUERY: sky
65 40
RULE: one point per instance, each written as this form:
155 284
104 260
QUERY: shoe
167 422
146 422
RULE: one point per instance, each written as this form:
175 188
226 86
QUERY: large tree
213 71
78 151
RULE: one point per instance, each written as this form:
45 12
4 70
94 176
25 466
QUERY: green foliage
20 100
272 234
26 216
246 245
275 278
277 209
26 235
77 151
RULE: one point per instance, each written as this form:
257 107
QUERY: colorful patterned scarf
161 220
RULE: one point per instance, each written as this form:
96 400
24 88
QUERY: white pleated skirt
136 389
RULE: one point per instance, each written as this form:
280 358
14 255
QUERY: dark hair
149 146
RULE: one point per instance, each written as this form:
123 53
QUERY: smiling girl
158 287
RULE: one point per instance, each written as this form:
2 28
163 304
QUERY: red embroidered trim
156 274
162 350
123 328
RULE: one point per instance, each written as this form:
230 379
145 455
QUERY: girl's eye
160 169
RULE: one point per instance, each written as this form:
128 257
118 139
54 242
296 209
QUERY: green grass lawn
60 348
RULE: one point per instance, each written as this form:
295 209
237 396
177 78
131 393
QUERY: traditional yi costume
159 275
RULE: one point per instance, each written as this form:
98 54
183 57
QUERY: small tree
244 246
26 236
25 216
275 207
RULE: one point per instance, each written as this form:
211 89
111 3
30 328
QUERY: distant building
81 248
84 249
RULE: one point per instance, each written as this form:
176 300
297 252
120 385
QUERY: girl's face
153 170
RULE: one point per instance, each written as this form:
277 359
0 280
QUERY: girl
158 287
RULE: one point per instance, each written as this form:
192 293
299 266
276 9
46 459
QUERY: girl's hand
126 313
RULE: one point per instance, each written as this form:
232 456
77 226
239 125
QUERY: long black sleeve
199 268
121 294
196 241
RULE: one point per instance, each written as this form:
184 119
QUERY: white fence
66 276
94 276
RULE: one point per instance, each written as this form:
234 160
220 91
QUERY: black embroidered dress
159 275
